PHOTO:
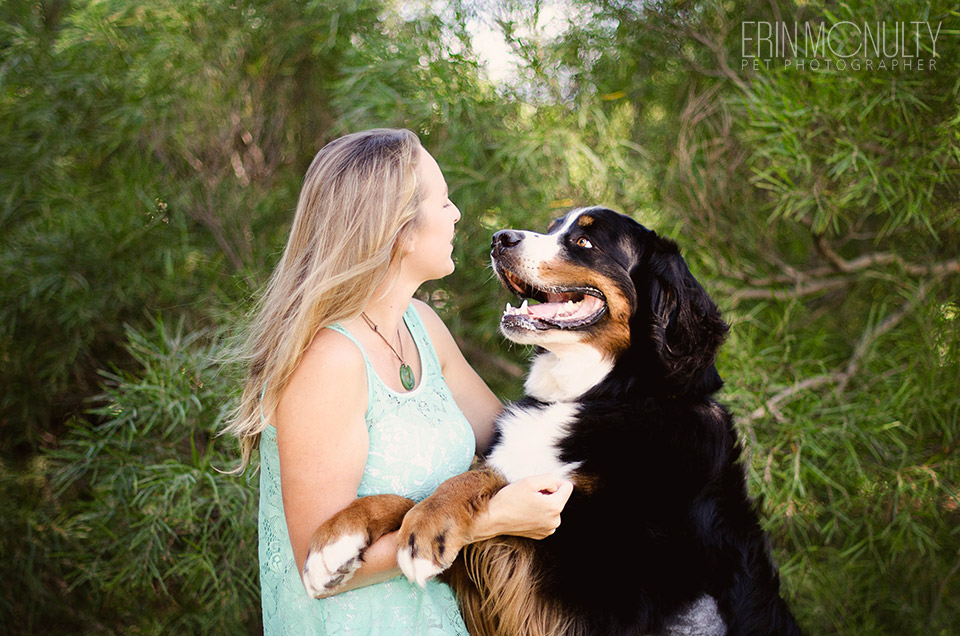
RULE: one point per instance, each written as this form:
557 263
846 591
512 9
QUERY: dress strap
342 330
366 361
429 362
263 394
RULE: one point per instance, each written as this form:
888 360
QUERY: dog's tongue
544 311
560 309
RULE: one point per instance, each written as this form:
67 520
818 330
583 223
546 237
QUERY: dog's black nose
504 239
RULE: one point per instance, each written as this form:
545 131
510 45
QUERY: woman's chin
440 271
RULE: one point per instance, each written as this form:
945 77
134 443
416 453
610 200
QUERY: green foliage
860 485
138 504
150 152
153 155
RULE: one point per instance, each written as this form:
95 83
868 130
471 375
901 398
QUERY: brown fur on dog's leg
435 529
337 546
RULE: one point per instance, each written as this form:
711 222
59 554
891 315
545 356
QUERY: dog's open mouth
572 307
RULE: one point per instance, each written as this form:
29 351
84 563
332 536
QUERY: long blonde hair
359 201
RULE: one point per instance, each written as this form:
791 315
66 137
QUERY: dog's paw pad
329 567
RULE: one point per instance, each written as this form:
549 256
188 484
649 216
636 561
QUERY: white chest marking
566 373
528 442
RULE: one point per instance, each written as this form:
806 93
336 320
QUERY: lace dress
417 440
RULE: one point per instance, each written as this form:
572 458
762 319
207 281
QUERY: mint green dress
417 440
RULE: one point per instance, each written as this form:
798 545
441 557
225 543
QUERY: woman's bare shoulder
332 348
330 377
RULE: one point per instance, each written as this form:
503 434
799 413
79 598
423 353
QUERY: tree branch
867 340
840 378
736 294
838 274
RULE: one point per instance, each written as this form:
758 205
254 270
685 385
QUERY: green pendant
406 377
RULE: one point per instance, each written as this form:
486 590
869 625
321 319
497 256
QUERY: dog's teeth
523 307
508 309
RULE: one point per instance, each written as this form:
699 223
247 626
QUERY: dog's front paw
331 562
427 545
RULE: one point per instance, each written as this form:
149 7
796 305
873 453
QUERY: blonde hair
359 201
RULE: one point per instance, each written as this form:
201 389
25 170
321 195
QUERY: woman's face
428 252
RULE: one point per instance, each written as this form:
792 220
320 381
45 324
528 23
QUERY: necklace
406 373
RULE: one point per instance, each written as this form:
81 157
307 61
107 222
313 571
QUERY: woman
357 389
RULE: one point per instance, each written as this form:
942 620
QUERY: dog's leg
435 529
337 546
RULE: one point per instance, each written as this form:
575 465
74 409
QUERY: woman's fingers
550 485
563 492
529 507
547 483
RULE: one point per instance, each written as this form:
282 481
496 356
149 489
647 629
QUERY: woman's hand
528 508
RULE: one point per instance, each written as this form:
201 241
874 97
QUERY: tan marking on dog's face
579 251
612 333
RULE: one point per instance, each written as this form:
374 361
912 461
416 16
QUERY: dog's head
601 280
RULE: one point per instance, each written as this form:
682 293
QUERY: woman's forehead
430 173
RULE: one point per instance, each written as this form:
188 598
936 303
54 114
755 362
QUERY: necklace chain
406 373
376 330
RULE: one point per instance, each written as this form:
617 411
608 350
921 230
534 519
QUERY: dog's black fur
665 516
660 518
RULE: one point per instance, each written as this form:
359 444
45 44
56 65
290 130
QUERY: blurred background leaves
152 155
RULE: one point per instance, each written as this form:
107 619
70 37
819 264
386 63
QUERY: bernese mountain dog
660 535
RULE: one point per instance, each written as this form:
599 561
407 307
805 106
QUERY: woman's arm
473 396
323 443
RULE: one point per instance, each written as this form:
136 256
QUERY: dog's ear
686 329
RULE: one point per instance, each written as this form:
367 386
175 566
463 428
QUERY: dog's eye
584 242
